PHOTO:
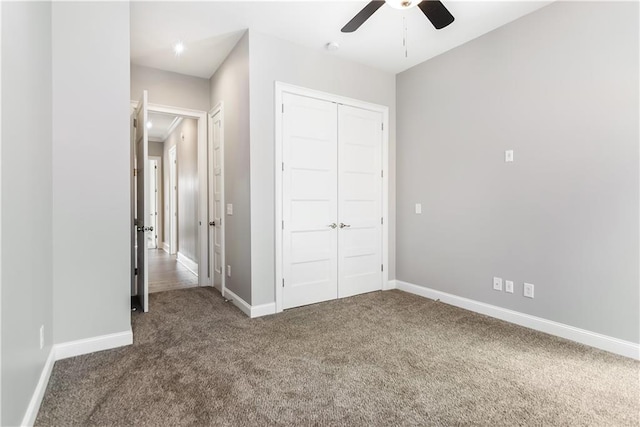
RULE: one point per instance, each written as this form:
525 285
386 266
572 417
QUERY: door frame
282 88
201 117
173 200
218 109
158 182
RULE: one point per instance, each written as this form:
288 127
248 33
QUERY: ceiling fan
434 10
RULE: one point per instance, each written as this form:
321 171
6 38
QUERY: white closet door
310 261
359 201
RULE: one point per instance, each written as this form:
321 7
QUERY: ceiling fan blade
362 16
435 12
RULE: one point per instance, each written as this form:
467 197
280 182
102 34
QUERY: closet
331 200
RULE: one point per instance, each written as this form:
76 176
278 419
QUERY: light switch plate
418 208
508 156
229 209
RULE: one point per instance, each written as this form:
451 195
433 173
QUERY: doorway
167 214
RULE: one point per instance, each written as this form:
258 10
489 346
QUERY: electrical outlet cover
528 290
497 283
508 286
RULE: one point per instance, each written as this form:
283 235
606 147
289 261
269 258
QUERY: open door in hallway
142 200
215 200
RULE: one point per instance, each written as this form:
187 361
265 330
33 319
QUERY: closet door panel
359 201
310 262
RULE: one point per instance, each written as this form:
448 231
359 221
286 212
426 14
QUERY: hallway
167 274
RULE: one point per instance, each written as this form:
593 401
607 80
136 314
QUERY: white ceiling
209 30
162 124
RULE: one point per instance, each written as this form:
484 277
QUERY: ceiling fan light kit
402 4
434 10
332 46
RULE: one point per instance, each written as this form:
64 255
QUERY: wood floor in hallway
167 274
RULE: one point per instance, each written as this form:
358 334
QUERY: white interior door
142 203
309 188
133 203
173 201
215 201
359 201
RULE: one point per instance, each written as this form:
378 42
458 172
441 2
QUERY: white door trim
173 200
280 89
159 187
201 117
219 108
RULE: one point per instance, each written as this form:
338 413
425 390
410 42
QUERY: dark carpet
384 358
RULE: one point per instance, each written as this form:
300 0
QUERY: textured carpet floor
385 358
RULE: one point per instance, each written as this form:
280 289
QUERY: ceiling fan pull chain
404 37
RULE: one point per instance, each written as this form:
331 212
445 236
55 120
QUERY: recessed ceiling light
149 124
332 46
178 48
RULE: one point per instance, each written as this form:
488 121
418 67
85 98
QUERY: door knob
333 225
343 225
212 223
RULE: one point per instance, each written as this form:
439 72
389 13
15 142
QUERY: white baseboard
237 301
263 310
188 263
91 345
36 399
63 351
593 339
165 247
391 284
246 308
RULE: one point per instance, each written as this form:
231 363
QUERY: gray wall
276 60
26 238
560 87
167 88
230 85
187 169
156 148
91 170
